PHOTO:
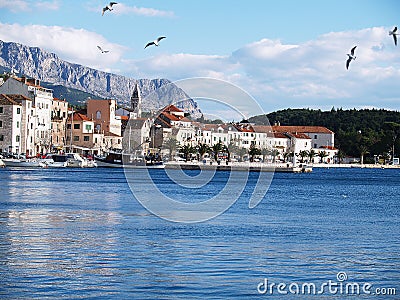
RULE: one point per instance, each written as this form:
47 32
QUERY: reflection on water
74 234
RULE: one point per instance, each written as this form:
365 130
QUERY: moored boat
23 162
120 160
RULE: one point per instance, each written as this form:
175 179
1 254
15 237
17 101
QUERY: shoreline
267 167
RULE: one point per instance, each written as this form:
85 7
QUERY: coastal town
33 123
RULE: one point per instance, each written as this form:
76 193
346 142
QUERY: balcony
56 119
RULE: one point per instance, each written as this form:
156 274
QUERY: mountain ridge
49 68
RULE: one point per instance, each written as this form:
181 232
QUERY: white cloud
311 74
278 75
123 9
70 44
24 5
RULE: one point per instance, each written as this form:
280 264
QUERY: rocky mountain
48 67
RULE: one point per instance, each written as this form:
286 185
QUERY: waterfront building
59 116
17 124
136 135
102 112
81 136
42 99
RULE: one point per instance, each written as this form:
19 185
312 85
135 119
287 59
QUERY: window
17 138
1 109
98 114
17 124
88 127
18 110
77 126
1 124
315 136
1 137
95 140
68 126
86 138
315 145
76 138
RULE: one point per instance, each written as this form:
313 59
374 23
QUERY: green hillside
73 96
368 131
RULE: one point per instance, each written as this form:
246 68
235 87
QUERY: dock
236 166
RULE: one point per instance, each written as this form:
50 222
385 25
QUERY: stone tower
136 102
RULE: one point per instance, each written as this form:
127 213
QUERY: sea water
80 233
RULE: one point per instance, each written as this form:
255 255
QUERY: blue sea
81 234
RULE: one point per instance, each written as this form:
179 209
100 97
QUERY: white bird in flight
101 49
155 42
351 57
108 7
394 33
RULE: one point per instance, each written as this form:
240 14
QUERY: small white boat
23 162
55 161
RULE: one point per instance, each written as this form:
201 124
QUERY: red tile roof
302 129
78 117
172 107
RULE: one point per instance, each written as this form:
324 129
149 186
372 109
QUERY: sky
283 54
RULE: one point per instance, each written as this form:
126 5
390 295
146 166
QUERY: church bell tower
136 102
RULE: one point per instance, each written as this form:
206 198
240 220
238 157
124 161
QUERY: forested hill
371 131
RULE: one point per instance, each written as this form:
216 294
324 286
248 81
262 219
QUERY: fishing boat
123 160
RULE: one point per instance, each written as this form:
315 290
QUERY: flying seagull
351 57
155 42
102 51
394 33
108 7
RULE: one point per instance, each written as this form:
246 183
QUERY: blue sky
283 53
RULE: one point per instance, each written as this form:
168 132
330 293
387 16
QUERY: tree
363 151
340 156
302 154
253 151
202 149
217 148
322 155
311 155
274 154
265 152
393 131
187 150
241 152
171 144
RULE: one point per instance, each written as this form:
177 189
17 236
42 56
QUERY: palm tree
216 148
231 148
302 154
241 152
311 155
186 150
322 155
265 152
171 144
202 149
340 155
274 154
253 151
363 151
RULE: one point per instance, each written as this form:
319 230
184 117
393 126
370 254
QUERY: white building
42 100
17 124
